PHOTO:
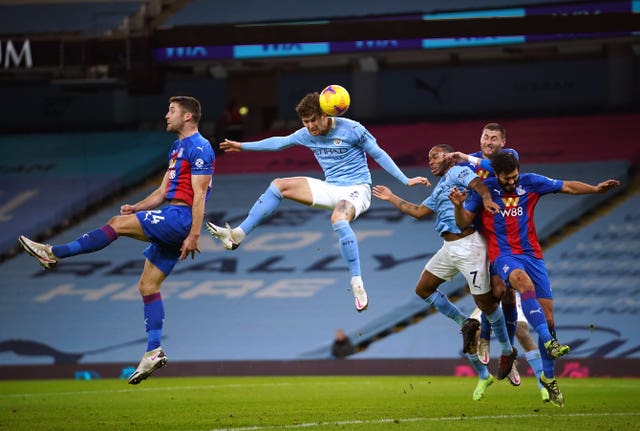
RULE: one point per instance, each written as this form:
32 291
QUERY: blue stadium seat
54 177
85 18
280 296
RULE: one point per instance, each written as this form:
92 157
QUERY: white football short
467 256
327 196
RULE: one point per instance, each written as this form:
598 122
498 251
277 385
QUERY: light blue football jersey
341 153
439 202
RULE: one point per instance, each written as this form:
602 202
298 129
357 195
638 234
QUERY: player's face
437 163
316 124
491 142
508 181
175 118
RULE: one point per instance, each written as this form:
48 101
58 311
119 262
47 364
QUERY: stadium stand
90 18
553 213
284 292
538 140
279 296
199 12
50 178
593 275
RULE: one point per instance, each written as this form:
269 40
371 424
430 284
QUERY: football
334 100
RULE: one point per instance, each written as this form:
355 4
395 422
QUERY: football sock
485 327
500 330
535 316
511 320
91 241
440 302
262 208
348 246
548 365
356 281
535 362
153 319
480 368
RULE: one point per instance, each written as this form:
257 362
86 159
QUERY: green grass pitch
315 403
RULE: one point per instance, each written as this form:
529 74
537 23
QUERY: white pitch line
441 419
170 388
138 389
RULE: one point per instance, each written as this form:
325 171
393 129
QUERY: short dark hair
309 105
495 127
446 147
504 163
189 104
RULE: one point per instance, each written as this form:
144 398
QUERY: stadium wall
581 368
400 94
279 296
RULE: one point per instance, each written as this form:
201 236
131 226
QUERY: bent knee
486 302
117 222
422 292
425 290
520 280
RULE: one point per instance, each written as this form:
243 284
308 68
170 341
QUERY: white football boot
224 234
484 355
42 252
151 361
359 296
514 375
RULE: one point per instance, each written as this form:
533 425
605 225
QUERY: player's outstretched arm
274 143
456 156
580 188
418 180
415 211
230 146
386 162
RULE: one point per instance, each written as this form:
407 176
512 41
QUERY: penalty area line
440 419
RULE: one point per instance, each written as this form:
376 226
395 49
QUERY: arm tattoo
402 205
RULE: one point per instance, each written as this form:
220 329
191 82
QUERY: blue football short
492 270
166 228
534 267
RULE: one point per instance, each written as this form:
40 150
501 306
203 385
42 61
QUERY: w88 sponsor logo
511 207
512 212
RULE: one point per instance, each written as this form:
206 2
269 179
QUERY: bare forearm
197 215
416 211
479 187
463 217
580 188
154 200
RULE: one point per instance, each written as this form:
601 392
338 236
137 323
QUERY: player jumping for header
340 146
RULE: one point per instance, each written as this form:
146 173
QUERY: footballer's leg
149 286
348 245
50 255
263 207
485 379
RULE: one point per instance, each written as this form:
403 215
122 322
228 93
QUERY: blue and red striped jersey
192 155
512 230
